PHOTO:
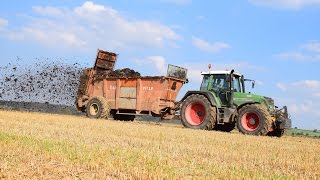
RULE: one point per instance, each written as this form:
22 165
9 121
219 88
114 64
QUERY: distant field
45 146
302 132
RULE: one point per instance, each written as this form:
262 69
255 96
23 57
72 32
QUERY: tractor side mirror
253 83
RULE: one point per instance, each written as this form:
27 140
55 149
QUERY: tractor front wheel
98 107
197 113
254 119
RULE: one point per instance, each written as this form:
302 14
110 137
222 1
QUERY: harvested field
46 146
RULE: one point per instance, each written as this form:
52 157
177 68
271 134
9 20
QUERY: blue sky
276 42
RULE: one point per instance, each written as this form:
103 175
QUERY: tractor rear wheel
254 119
197 113
98 107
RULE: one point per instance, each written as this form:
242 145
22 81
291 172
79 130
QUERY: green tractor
223 103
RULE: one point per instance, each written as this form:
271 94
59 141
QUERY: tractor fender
247 103
207 94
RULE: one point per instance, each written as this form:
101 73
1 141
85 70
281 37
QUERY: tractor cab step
224 115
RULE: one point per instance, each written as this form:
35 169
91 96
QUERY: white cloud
260 83
157 63
194 73
303 107
312 46
91 26
303 101
200 17
47 11
90 7
286 4
310 84
209 47
307 87
308 52
241 66
180 2
316 94
3 23
282 86
295 56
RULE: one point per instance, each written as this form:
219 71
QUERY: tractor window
219 81
205 82
237 84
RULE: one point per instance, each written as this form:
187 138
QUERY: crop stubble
55 146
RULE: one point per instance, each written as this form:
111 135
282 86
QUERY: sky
275 42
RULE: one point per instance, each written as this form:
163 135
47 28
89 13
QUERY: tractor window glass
236 84
219 81
205 82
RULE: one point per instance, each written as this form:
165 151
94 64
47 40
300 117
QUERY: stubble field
46 146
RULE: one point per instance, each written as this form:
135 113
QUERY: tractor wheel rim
250 121
94 109
195 113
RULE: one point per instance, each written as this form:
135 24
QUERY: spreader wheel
98 107
197 113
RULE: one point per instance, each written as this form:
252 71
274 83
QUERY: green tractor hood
245 98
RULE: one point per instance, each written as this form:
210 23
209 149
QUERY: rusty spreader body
131 95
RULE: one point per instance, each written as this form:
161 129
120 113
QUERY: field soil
50 146
39 107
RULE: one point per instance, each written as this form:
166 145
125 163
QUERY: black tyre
254 119
98 107
197 113
228 127
277 132
124 117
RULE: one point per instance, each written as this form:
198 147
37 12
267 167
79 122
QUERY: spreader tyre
197 113
254 119
98 107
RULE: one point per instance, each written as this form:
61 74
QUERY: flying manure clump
45 81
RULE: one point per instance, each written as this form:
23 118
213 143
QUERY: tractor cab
223 84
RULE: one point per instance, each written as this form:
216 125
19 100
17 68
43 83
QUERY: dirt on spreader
119 73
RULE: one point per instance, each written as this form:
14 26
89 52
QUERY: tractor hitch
282 118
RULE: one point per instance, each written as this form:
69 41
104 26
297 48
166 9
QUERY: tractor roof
219 72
